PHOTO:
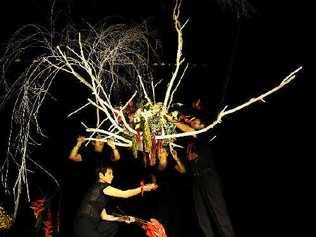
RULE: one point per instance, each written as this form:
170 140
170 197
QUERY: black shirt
94 201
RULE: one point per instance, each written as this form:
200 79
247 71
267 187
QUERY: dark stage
262 153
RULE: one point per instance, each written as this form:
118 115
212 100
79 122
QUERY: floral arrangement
150 121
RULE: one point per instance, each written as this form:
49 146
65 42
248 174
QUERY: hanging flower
38 207
48 225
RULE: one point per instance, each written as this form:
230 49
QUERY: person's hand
149 187
80 140
111 143
174 153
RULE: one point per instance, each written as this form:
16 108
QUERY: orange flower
154 229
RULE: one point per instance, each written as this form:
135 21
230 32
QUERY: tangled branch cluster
113 64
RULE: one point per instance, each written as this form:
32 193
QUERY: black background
262 152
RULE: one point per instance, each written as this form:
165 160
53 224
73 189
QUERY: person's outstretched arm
115 192
74 153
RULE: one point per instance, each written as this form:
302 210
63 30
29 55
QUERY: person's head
199 114
197 123
105 174
98 145
196 116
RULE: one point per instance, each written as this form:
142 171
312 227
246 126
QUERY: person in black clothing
82 162
94 218
208 201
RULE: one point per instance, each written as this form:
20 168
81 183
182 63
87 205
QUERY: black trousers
210 206
92 227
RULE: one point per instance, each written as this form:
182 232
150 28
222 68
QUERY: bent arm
182 126
115 156
74 154
107 217
180 168
179 164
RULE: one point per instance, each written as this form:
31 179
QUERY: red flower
154 229
38 207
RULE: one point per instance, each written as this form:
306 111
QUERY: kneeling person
94 219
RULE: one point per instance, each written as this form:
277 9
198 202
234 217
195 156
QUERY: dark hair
103 169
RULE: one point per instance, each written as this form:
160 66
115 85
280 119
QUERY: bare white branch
225 112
